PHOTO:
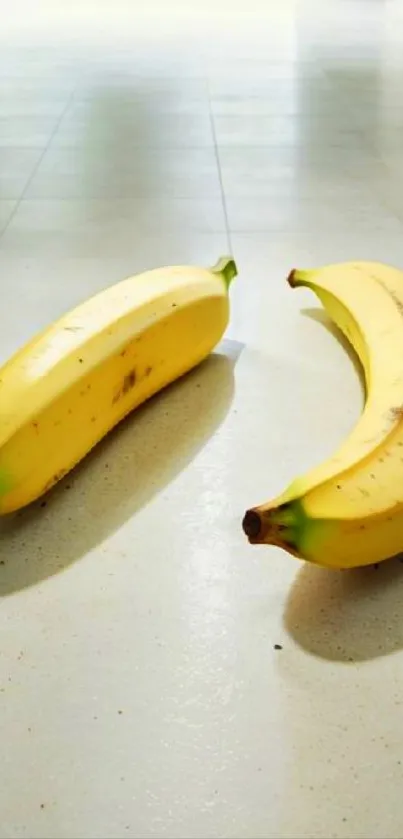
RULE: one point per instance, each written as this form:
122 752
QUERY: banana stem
274 526
226 266
252 525
296 277
267 526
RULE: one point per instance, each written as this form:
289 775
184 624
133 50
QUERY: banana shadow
347 616
123 473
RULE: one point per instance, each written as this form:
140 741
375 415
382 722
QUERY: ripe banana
75 381
349 511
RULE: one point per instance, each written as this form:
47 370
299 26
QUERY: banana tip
292 278
252 525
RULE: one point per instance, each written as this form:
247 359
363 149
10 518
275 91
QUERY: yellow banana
75 381
349 511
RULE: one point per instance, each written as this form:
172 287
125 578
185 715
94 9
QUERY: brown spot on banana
128 383
396 414
399 304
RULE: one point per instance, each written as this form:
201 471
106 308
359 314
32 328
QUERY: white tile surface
108 227
277 171
6 210
290 213
17 165
139 127
140 691
104 171
282 131
295 103
32 132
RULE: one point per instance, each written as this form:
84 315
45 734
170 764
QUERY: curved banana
75 381
349 511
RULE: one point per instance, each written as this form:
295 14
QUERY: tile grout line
217 156
38 163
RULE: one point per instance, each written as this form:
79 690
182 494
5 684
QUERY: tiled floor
140 691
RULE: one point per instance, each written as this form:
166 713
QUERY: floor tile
123 87
288 213
304 171
6 209
295 102
357 97
36 106
24 88
374 120
156 99
102 172
280 131
385 139
16 167
388 190
31 132
139 127
111 227
277 89
245 70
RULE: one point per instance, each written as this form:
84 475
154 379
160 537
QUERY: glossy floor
141 690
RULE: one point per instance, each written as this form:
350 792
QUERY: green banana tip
226 266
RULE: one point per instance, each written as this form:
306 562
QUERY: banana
69 386
348 511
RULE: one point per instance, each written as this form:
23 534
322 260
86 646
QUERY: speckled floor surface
141 693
